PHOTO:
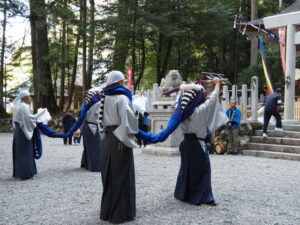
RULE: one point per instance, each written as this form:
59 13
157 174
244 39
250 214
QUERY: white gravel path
248 190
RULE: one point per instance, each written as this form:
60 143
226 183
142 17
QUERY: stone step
274 148
272 155
275 140
272 133
286 127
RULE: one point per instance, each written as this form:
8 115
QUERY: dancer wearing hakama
91 140
24 123
193 116
120 124
194 177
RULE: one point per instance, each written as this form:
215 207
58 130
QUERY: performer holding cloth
194 177
119 124
24 123
194 115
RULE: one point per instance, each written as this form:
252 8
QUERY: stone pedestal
160 114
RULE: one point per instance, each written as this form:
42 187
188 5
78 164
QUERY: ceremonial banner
282 36
129 77
263 59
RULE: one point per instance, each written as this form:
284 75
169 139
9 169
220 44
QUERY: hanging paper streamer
281 34
263 59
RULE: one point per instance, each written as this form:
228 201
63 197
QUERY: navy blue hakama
23 155
194 178
91 159
118 178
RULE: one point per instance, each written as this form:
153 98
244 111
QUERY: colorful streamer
263 58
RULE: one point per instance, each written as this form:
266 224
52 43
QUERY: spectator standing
233 126
68 120
272 108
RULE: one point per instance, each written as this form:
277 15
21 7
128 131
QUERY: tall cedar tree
44 92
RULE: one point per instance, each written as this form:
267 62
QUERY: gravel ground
248 190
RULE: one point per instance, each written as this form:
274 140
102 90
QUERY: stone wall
246 131
6 125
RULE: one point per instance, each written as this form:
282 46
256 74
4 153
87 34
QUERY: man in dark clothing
68 120
272 108
143 125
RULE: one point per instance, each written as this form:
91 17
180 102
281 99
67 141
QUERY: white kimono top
118 111
92 116
27 120
209 114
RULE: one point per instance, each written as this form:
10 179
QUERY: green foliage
156 36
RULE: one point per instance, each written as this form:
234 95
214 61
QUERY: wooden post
254 98
244 101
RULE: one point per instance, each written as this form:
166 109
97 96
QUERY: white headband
114 77
21 95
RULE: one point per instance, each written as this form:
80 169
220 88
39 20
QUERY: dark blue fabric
194 178
116 89
271 102
23 155
267 116
91 158
177 117
50 133
37 144
236 120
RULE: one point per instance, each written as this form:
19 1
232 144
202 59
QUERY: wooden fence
297 110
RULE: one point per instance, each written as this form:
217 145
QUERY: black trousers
267 117
118 203
66 139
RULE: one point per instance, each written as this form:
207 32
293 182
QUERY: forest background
80 40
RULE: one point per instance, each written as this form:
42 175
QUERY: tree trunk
55 77
63 64
178 57
133 44
143 61
253 39
2 108
55 66
167 57
91 44
35 78
40 52
158 58
74 71
68 41
75 61
223 56
83 33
